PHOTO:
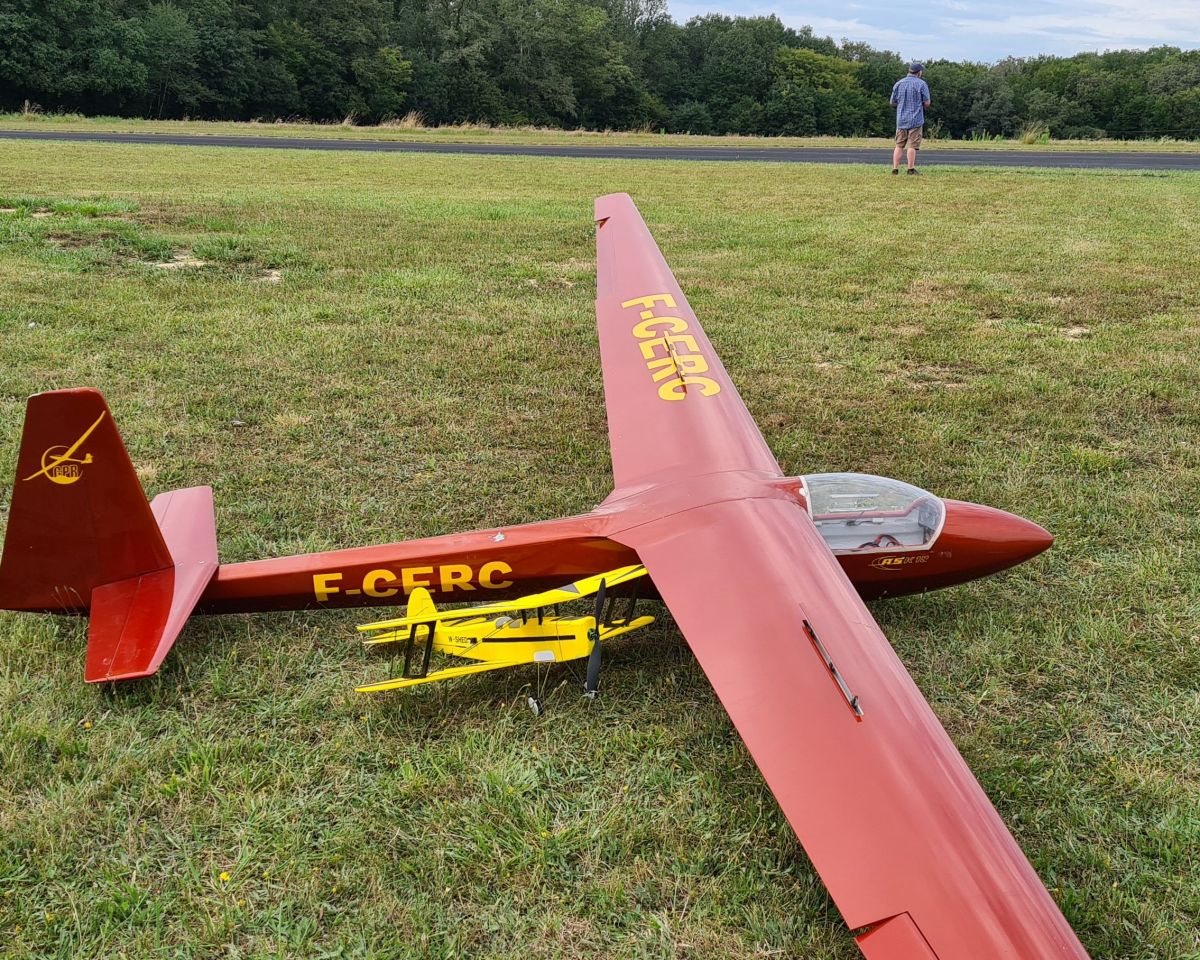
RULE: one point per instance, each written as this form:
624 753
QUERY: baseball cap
915 67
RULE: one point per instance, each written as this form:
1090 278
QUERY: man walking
910 97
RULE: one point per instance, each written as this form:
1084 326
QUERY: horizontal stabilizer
134 622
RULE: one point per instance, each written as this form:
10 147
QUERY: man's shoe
912 171
895 170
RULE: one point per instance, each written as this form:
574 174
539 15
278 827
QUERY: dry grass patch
181 260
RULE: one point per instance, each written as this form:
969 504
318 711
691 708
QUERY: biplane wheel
536 706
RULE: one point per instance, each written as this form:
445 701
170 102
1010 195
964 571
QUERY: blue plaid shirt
909 96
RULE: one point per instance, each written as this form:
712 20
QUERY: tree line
595 64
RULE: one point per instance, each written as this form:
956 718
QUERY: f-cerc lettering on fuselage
670 352
442 578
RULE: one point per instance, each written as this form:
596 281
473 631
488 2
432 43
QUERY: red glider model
914 855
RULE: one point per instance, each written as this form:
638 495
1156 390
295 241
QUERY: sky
978 29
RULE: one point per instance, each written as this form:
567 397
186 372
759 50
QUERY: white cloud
1095 24
978 29
886 37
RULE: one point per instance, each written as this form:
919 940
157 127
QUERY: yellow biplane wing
586 587
450 672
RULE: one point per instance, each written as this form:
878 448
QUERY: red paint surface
895 939
886 808
135 622
541 555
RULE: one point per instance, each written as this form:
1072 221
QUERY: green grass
476 133
427 363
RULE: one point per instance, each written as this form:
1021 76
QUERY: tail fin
420 604
81 536
78 517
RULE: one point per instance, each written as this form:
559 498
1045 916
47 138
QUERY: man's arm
926 102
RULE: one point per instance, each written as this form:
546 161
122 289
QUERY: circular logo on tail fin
58 466
59 463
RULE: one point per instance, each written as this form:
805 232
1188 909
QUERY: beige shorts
910 138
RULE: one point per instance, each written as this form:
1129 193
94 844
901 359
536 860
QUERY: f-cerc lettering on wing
672 356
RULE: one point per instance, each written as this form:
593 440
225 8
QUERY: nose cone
1033 537
986 540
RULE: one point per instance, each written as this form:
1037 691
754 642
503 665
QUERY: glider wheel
536 707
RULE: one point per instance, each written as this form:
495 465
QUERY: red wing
672 409
893 820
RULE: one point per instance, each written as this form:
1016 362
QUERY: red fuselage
974 541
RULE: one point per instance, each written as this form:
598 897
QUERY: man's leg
912 158
897 154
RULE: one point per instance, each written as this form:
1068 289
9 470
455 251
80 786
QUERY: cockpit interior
860 513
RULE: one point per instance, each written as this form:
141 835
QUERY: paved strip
1111 160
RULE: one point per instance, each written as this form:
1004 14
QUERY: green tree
591 63
169 51
815 93
993 106
952 90
381 82
691 117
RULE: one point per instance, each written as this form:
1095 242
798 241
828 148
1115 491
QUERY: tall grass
413 120
1034 132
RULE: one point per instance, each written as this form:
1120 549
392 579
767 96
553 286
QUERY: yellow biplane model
511 634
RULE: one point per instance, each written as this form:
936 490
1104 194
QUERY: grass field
475 133
383 347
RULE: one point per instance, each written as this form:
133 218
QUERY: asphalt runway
930 157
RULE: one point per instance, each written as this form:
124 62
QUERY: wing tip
611 204
896 938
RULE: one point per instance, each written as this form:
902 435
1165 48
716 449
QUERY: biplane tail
82 537
420 605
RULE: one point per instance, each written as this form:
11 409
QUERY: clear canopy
859 513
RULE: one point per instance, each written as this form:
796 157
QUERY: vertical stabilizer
420 604
78 517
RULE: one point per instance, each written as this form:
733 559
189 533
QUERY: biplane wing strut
911 850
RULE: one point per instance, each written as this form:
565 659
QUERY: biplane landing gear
591 685
536 707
